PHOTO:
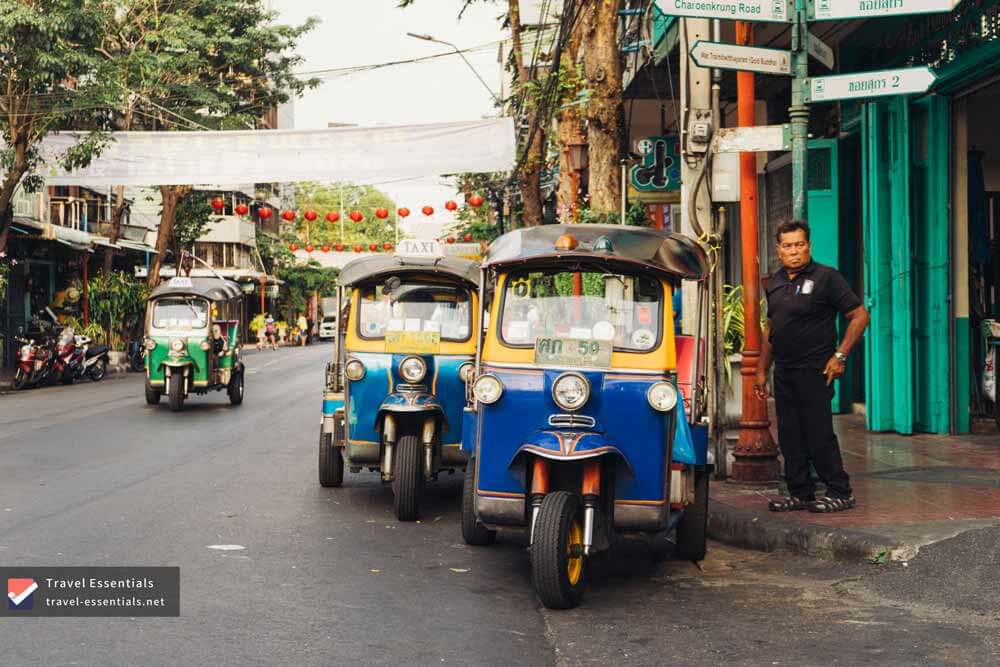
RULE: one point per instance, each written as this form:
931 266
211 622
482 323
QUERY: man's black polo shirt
803 314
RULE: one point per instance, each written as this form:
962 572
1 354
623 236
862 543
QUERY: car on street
328 327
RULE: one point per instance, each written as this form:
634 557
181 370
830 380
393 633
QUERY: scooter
35 363
95 359
69 358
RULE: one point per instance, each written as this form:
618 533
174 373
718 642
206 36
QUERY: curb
114 372
753 530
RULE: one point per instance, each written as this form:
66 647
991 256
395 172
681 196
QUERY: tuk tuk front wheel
331 462
236 388
558 567
408 478
473 532
152 395
692 533
175 391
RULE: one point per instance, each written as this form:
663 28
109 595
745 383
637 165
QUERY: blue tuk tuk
575 428
396 388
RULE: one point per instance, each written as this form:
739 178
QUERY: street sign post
747 58
831 10
869 84
820 51
772 11
756 139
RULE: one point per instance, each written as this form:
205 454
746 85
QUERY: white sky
364 32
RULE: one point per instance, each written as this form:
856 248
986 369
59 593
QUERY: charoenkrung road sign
830 10
747 58
774 11
869 84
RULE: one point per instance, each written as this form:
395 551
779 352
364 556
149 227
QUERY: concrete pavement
90 475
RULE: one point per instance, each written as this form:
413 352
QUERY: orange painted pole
756 453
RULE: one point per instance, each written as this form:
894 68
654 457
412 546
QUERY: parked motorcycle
95 359
136 356
35 362
69 358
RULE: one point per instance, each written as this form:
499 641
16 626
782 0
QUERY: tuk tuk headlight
177 345
487 389
150 344
570 391
662 396
465 371
413 369
354 370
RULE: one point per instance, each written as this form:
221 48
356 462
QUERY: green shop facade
905 199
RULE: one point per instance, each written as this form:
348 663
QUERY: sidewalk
911 491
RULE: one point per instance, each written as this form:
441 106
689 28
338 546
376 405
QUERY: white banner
354 154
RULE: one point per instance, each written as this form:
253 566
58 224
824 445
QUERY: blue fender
570 446
411 402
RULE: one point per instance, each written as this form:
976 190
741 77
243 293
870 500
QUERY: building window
201 252
218 255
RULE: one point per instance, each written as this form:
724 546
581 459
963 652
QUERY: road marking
273 361
226 547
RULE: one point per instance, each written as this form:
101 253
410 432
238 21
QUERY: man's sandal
788 504
828 504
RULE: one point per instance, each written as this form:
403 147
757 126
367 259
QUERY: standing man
803 299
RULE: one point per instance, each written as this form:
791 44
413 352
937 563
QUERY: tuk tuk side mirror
392 283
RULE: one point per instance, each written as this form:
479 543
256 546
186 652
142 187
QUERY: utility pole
798 113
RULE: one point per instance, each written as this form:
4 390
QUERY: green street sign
869 84
833 10
747 58
773 11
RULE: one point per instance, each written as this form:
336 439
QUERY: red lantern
293 246
450 205
403 212
357 216
218 203
310 215
386 246
450 239
264 212
242 209
428 210
357 247
382 213
468 237
325 248
288 215
475 201
339 247
373 247
309 247
332 216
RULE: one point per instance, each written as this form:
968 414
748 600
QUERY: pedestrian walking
803 300
271 331
303 327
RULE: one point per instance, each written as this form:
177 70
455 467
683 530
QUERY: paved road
90 475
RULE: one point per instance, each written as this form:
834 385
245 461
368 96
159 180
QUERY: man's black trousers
805 432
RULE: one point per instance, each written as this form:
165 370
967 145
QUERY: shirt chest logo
807 286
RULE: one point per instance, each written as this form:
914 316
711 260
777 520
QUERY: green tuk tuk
192 331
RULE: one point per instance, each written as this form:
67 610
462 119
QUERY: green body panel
929 134
195 356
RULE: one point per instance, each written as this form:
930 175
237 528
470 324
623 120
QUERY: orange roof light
566 242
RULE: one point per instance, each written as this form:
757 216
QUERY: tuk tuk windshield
415 306
623 309
180 313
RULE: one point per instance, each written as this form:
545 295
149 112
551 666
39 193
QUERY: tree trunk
529 178
9 186
570 131
116 228
170 194
605 115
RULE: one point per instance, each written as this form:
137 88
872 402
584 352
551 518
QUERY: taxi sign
419 248
180 281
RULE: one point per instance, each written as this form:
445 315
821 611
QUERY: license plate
417 342
587 352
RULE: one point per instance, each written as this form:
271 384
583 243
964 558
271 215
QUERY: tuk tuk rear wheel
175 391
236 388
692 533
558 566
408 478
152 395
473 532
331 462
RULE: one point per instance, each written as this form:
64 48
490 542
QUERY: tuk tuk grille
564 420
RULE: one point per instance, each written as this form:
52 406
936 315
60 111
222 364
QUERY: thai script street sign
758 139
869 84
774 11
829 10
747 58
820 51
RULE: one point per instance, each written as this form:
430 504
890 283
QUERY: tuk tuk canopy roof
213 289
380 266
666 253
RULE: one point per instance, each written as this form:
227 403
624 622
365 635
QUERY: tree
47 83
602 66
363 198
195 65
533 158
192 217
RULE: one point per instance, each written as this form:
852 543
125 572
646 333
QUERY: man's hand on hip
834 369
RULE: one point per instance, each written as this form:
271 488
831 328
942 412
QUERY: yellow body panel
662 358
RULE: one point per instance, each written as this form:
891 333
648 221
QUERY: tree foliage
117 303
324 198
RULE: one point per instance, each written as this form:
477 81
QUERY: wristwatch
841 357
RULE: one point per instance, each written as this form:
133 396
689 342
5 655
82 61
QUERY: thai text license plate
573 352
417 342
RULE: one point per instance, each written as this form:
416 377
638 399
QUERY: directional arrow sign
774 11
820 51
869 84
731 56
829 10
